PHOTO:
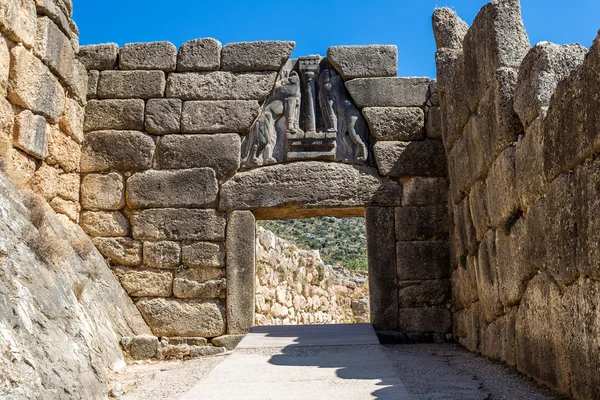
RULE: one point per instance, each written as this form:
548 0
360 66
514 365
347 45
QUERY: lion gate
185 148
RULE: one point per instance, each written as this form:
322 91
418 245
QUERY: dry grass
83 247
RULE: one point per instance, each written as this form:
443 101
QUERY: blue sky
315 25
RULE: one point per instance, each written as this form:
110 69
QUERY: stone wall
520 127
174 173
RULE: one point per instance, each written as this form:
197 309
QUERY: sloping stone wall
520 127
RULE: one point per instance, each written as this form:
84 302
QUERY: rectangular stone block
221 85
103 192
162 254
72 119
131 84
230 116
241 260
117 150
396 123
33 86
420 191
421 223
425 320
104 223
422 158
199 55
18 20
63 150
31 134
148 56
163 116
389 92
500 186
203 255
256 56
434 127
56 11
179 224
383 275
141 282
422 260
182 188
54 48
120 250
114 114
93 78
531 180
204 283
424 293
364 61
220 152
479 210
99 57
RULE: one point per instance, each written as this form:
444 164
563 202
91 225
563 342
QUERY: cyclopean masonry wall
520 128
185 149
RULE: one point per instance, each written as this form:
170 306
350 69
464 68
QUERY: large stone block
218 116
99 57
464 285
63 150
463 238
434 127
448 29
131 84
55 10
182 188
18 20
422 260
401 159
308 185
199 55
529 165
241 260
203 255
500 185
488 281
78 87
221 85
468 324
72 119
163 116
93 78
142 282
31 134
33 86
4 65
424 293
479 209
114 114
120 250
162 254
203 283
421 223
185 318
396 123
148 56
117 150
104 223
587 214
256 56
220 152
364 61
54 48
103 192
425 320
389 92
419 191
179 224
7 123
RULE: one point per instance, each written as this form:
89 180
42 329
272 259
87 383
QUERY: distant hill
340 241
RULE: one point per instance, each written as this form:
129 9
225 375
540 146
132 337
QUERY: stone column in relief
308 67
241 248
383 275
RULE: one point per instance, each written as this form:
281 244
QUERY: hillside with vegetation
340 241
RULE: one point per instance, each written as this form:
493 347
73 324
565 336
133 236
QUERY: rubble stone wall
520 128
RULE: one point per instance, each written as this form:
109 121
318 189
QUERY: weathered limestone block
308 185
196 187
451 83
199 55
396 123
179 224
479 209
7 123
33 86
4 65
119 250
488 281
421 223
434 94
468 324
543 67
148 56
56 12
529 165
220 152
143 282
464 285
419 191
18 20
114 114
221 85
448 29
424 293
434 128
241 266
202 283
68 186
144 347
99 57
162 254
588 210
68 208
422 260
78 88
163 116
117 150
104 223
218 116
174 317
45 181
498 339
54 48
72 119
131 84
256 56
463 239
364 61
420 158
63 150
203 255
93 78
389 92
103 192
425 320
31 134
227 341
500 185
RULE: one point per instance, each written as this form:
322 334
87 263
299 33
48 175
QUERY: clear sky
317 24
